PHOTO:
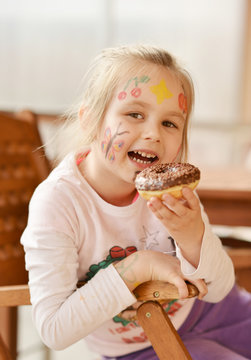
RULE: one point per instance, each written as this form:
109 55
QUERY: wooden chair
23 166
151 316
153 319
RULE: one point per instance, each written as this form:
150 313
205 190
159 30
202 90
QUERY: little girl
87 223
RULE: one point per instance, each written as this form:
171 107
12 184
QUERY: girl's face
143 124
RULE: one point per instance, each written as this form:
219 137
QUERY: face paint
182 102
109 146
179 148
136 91
161 91
122 95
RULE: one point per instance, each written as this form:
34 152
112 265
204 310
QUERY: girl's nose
152 138
152 134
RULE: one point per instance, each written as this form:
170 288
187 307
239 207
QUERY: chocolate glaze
163 176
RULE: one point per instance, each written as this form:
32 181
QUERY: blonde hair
104 75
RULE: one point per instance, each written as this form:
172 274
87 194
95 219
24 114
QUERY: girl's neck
120 200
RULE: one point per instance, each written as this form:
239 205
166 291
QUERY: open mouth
142 157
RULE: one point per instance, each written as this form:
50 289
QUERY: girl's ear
81 115
81 112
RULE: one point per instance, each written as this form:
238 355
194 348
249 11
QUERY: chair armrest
14 295
160 290
151 290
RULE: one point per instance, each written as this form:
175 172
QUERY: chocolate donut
169 178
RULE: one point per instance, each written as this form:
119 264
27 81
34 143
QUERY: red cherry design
122 95
136 92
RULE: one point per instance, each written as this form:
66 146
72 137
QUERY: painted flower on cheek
109 146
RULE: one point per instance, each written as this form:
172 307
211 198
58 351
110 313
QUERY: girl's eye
136 115
169 124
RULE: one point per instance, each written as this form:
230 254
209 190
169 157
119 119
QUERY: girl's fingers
202 287
170 205
181 285
176 206
155 205
166 208
191 198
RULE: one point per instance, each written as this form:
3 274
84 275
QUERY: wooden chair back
23 166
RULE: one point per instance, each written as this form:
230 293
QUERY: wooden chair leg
161 332
8 329
47 353
4 351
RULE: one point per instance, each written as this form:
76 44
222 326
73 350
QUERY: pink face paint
122 95
80 157
179 148
182 102
109 145
161 91
136 91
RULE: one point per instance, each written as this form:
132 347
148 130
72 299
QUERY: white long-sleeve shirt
72 234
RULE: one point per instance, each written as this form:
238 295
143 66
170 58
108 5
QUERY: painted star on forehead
150 239
161 91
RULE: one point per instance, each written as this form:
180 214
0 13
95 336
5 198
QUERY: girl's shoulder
63 185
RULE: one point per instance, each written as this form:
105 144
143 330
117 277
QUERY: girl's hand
145 265
183 220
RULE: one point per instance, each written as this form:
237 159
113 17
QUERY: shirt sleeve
62 313
215 266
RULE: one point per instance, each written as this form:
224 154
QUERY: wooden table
226 195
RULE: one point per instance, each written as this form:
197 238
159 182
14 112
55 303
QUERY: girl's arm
199 250
183 220
62 313
52 241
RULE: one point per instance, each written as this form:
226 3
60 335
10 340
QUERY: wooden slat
14 295
241 258
161 332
